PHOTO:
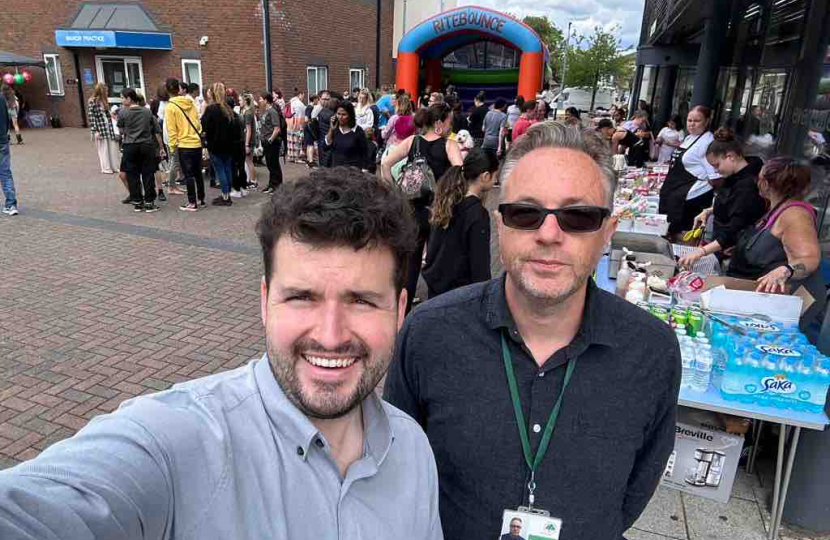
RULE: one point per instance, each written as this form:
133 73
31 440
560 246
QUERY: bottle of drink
623 277
750 376
687 357
703 370
818 390
731 385
769 369
803 380
788 367
719 354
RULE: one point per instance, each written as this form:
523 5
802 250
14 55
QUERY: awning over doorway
120 26
10 59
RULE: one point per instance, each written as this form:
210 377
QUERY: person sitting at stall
781 251
737 204
573 118
687 191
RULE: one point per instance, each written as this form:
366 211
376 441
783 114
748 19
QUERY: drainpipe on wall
377 47
80 89
266 38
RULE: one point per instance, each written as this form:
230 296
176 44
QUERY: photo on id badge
527 526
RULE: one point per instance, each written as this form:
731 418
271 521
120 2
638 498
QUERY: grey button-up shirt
224 457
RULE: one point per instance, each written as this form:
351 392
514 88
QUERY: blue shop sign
115 39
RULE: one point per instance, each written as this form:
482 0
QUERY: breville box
705 457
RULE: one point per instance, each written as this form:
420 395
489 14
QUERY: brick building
314 45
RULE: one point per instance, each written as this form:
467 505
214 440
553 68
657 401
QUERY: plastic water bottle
703 370
687 357
818 389
789 368
750 377
803 379
731 385
719 354
769 368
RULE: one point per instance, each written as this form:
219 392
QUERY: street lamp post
565 59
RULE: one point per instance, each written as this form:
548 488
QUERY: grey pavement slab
664 515
711 520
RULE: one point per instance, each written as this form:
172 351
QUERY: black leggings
140 166
239 179
413 267
691 209
190 160
272 160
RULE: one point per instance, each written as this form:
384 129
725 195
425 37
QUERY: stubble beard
322 400
537 295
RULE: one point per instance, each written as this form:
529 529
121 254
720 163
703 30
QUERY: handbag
202 136
416 177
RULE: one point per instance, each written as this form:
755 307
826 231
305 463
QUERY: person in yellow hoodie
181 119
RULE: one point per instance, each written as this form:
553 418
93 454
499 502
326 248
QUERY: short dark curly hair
340 207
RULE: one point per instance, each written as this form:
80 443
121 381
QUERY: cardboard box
705 458
738 296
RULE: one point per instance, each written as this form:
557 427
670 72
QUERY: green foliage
598 59
552 36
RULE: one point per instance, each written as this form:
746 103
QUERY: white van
581 98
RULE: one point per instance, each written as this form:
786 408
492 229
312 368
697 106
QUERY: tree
601 61
552 37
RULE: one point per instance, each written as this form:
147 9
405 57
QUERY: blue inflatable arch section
470 20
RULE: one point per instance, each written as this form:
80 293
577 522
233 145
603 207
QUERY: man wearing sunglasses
537 388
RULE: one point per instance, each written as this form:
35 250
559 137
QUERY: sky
585 14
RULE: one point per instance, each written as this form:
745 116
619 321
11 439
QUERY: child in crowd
669 138
372 157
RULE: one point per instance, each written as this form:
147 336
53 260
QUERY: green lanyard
532 463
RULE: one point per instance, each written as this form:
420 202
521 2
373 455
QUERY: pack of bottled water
771 364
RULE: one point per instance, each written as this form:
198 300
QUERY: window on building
683 89
317 79
647 84
120 72
767 104
357 78
54 77
816 122
192 72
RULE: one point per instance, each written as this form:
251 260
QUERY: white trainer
10 211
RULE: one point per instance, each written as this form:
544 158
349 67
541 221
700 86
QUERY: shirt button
541 374
300 451
319 443
537 428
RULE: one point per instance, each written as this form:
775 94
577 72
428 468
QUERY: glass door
118 73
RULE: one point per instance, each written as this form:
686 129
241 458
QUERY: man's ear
263 301
402 306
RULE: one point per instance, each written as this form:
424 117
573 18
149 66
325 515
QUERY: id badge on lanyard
529 522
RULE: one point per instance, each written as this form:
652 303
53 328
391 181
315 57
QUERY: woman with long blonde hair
363 110
103 133
217 124
458 250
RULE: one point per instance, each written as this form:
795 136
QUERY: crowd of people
487 367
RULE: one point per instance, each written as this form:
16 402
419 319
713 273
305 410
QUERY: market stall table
711 400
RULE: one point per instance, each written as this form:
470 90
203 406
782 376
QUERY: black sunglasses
572 219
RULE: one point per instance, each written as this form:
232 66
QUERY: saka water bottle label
778 351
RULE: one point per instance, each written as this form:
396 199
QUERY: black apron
677 185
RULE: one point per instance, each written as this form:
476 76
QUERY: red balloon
27 76
8 78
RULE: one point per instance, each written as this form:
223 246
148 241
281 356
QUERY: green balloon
18 79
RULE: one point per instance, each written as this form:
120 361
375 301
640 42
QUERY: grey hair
553 134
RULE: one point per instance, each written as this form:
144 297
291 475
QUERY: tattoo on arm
799 271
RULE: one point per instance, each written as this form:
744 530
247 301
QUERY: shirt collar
297 429
597 325
345 131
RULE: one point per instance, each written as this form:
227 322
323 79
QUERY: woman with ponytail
738 204
440 153
458 251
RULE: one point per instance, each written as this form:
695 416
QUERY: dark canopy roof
9 59
130 17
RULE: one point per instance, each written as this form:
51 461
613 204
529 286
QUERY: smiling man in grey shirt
293 445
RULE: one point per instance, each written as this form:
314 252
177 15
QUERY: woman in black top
218 126
435 124
139 151
458 251
345 140
737 203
